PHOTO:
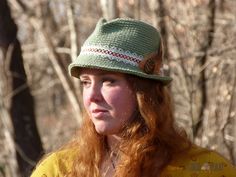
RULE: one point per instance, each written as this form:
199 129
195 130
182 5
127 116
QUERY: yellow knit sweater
197 162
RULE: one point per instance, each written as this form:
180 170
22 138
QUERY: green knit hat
123 45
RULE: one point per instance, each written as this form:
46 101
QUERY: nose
94 93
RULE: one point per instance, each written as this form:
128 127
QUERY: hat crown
123 45
128 34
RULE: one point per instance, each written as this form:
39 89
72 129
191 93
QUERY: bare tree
159 14
207 43
54 57
20 101
109 9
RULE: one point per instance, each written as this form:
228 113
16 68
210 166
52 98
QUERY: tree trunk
21 103
203 60
158 11
109 9
54 58
137 9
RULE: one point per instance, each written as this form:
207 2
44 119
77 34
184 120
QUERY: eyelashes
85 83
106 81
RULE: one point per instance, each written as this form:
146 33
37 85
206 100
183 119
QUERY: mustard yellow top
198 162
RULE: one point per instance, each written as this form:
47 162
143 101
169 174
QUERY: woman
128 128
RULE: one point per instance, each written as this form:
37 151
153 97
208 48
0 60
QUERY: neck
113 142
109 163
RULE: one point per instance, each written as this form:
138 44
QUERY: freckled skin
108 99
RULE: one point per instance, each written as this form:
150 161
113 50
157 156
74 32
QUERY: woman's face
108 99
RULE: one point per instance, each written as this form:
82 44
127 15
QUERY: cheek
122 101
113 97
85 100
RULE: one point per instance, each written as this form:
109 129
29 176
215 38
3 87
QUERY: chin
105 131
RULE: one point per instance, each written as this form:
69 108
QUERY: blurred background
39 102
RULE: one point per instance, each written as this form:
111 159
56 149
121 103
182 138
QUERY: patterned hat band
113 53
123 45
118 54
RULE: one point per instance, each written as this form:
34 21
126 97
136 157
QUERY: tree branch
205 47
230 147
72 27
54 57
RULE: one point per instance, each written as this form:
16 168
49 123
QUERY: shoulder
200 162
55 164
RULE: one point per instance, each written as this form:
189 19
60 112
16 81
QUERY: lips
98 113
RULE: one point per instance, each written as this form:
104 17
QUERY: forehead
98 72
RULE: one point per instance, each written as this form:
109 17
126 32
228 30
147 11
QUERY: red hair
149 142
152 140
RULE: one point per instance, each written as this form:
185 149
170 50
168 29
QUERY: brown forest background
38 39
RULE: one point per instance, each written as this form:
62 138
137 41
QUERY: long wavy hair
148 143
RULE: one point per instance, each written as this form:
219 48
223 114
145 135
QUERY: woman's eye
108 81
85 83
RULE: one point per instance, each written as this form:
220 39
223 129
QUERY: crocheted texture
120 45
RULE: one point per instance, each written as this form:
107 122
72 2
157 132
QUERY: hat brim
108 65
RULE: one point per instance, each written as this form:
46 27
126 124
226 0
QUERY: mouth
98 113
98 110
